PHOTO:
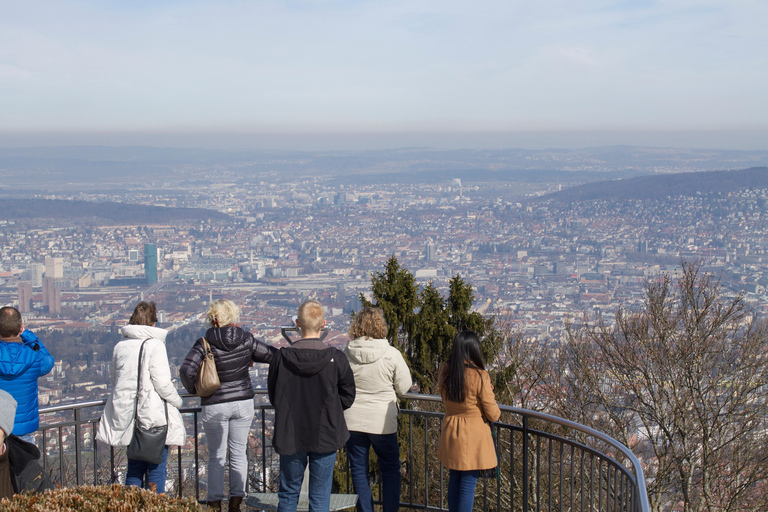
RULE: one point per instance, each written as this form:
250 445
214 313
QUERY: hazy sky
369 67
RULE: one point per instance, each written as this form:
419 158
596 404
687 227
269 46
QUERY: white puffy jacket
117 419
381 374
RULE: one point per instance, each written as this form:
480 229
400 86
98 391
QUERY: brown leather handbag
207 378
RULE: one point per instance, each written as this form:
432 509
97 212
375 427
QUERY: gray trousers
227 425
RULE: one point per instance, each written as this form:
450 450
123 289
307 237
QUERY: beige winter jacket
381 375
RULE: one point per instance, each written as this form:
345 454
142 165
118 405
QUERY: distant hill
468 175
89 167
27 209
663 185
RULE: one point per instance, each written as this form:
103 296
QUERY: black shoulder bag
147 444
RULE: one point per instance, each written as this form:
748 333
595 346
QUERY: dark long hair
465 353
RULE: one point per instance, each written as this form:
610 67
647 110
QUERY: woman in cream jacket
381 375
117 420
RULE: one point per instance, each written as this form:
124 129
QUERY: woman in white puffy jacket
117 420
381 375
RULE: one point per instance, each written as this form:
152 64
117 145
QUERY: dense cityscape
530 259
534 261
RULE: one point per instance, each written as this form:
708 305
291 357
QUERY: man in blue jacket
23 359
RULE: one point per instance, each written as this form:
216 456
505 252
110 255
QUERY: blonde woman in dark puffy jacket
381 375
228 413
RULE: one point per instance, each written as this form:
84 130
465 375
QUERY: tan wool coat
465 440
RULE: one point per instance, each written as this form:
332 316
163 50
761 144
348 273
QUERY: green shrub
101 498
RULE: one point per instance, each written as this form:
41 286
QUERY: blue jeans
155 473
388 452
461 490
227 426
320 480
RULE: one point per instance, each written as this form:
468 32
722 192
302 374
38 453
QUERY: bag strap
206 346
138 388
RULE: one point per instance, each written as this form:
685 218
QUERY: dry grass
102 498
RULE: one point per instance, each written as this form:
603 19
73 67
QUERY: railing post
497 441
263 452
410 458
112 473
537 462
180 469
61 457
526 472
426 461
45 451
95 454
197 460
78 449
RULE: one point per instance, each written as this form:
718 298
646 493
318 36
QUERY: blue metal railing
539 468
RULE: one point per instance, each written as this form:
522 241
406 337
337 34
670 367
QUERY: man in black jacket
310 385
19 470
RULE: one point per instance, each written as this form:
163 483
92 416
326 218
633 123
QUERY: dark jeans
461 490
134 475
320 480
386 449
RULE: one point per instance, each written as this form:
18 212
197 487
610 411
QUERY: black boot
234 503
214 506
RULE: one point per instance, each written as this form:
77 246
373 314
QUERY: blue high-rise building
150 263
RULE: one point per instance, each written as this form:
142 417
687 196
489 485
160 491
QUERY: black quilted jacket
233 350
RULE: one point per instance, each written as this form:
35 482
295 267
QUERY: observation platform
546 463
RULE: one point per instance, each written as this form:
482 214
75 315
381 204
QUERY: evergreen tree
395 292
423 324
459 305
431 338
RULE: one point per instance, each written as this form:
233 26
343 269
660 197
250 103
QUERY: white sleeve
160 373
113 369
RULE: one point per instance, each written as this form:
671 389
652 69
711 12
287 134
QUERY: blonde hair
370 323
311 316
223 312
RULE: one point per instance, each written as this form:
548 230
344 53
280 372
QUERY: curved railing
545 462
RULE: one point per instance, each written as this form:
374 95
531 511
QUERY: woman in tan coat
466 445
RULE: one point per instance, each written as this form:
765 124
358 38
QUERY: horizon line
722 140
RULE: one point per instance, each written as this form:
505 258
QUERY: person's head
466 349
368 323
310 319
465 353
145 313
223 312
10 322
7 415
